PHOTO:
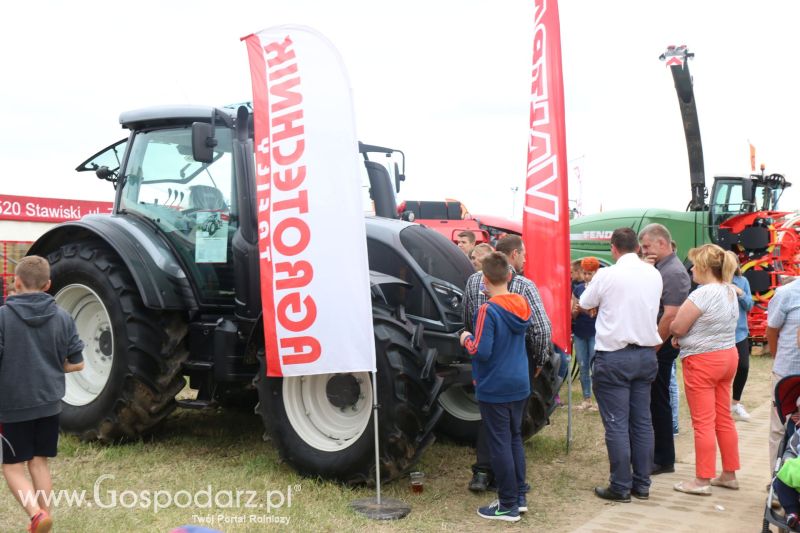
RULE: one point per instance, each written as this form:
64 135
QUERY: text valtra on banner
545 220
312 240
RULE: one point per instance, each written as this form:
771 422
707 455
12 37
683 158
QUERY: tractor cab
733 196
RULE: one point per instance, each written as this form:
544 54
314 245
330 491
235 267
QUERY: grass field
221 452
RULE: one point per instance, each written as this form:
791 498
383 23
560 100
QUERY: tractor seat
206 198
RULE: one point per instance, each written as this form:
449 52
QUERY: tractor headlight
450 297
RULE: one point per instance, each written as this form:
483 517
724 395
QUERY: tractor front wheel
132 355
322 424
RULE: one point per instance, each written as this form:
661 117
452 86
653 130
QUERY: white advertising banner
312 244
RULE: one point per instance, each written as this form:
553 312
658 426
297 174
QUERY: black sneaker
662 469
522 503
792 521
611 495
640 494
479 482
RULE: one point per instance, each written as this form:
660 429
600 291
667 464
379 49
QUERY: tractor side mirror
203 142
398 177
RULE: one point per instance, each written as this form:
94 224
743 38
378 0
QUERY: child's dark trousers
503 422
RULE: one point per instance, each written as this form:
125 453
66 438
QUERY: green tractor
741 213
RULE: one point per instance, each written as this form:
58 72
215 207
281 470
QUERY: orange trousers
707 379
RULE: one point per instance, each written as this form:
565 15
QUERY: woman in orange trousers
704 330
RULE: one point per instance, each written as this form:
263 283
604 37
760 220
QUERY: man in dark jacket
38 345
656 243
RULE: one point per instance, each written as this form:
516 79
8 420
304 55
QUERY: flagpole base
388 509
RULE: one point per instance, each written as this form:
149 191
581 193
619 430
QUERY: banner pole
377 439
377 508
569 401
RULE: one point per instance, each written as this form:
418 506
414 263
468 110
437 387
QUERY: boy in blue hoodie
502 385
38 344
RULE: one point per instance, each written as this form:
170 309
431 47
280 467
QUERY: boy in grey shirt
38 345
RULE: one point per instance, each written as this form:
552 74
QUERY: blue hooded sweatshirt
500 362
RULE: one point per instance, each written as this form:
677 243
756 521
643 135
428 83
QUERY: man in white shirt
627 297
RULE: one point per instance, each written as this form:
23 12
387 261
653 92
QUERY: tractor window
192 202
727 201
436 255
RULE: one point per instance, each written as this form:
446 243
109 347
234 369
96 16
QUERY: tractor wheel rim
94 329
460 403
319 416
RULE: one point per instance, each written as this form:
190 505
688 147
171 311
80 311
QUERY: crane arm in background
677 59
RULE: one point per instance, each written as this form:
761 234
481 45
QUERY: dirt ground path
726 510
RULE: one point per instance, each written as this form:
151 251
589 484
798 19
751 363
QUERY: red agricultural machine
451 217
740 214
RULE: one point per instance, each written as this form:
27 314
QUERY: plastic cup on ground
417 482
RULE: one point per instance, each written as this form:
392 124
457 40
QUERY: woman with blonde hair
704 330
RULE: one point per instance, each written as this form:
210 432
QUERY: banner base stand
386 509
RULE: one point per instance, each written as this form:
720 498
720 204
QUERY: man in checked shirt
539 330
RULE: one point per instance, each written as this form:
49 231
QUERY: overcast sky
446 81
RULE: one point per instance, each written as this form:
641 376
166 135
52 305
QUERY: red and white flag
545 227
312 241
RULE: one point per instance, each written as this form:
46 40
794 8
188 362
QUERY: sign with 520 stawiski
32 209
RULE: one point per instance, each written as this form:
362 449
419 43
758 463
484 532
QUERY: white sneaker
739 413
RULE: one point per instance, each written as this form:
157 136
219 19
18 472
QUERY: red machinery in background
768 246
451 217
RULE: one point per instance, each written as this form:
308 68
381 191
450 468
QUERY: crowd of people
632 321
647 317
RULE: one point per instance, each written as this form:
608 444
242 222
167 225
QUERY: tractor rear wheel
461 419
322 424
132 356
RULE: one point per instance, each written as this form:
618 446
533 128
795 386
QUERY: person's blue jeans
622 380
787 496
503 422
563 368
584 353
673 398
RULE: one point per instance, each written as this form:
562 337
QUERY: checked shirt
539 329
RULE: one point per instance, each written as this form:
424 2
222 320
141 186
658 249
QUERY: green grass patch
225 450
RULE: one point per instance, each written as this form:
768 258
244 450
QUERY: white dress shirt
627 296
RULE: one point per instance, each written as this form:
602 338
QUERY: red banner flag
317 311
546 219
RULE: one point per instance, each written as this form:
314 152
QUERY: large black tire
407 390
461 419
133 355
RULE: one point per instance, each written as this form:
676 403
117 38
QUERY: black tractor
166 288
